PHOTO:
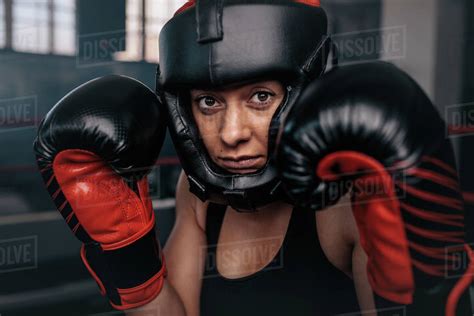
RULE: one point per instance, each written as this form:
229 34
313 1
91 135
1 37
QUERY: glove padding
371 130
94 150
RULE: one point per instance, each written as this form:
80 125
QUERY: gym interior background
48 47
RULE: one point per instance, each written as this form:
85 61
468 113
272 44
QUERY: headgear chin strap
218 43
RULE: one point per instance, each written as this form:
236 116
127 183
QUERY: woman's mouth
241 163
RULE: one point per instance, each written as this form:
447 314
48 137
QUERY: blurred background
48 47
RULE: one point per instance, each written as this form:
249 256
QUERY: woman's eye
261 97
207 102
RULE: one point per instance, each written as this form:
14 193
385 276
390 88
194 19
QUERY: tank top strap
214 219
302 228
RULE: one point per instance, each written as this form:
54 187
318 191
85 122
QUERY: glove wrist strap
130 276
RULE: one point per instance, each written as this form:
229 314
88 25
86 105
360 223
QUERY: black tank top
299 281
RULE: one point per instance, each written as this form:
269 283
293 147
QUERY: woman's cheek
262 123
210 137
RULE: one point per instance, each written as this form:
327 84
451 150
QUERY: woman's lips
241 163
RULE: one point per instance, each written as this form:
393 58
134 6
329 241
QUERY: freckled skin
234 122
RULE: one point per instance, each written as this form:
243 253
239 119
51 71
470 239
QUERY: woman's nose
236 127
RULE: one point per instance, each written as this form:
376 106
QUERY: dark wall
352 28
105 19
466 157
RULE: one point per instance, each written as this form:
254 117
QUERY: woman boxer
238 247
238 82
230 73
300 259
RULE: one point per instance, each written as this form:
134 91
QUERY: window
2 25
39 26
64 27
30 26
49 26
158 12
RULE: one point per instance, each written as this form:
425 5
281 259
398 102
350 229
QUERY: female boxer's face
234 122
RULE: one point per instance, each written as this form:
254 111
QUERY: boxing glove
94 150
370 130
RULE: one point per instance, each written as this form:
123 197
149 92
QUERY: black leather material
134 264
95 258
114 116
373 108
261 39
209 20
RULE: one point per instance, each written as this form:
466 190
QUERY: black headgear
217 43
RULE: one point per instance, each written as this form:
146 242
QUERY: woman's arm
364 292
358 258
167 302
339 238
184 254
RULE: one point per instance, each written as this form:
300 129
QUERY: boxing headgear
216 43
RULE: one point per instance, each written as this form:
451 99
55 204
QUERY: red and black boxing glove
369 129
94 150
